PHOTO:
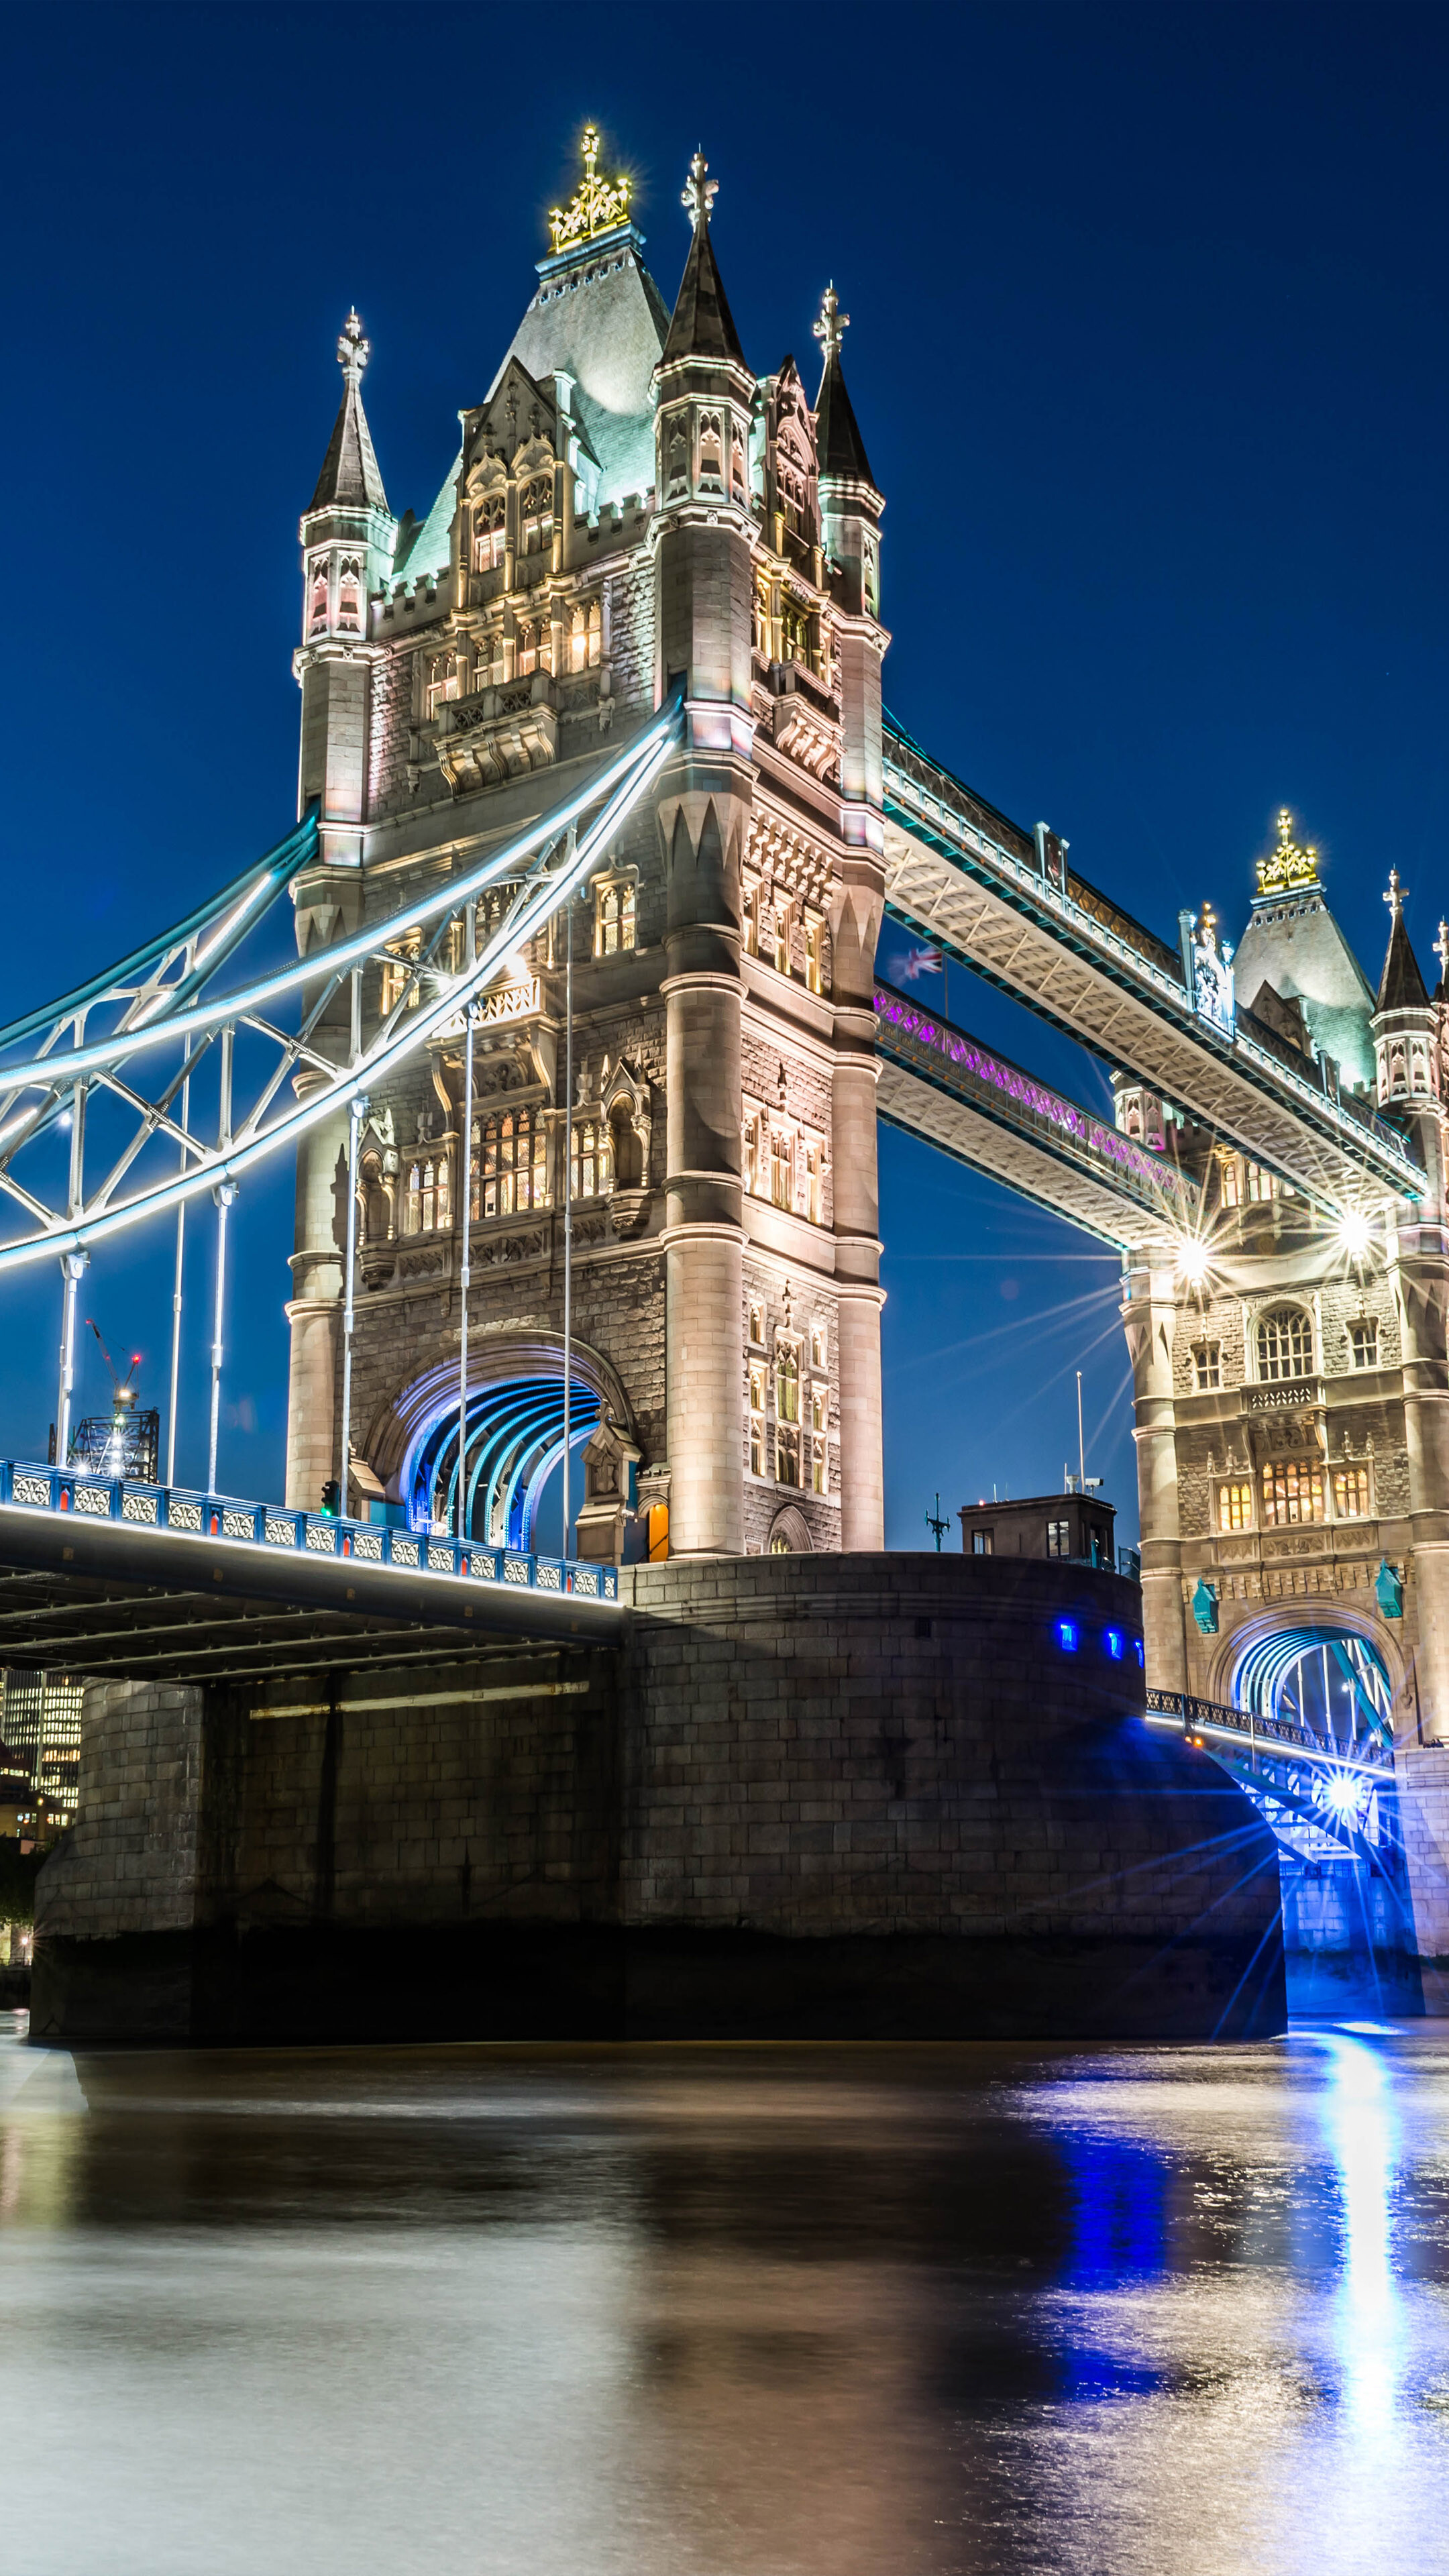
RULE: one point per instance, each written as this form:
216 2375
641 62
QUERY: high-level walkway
977 885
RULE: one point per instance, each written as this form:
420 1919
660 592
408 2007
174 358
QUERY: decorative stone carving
499 733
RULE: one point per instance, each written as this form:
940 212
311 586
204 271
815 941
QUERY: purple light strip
1019 1087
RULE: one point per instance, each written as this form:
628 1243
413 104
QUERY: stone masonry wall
868 1794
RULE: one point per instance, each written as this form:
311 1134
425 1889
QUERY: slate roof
702 325
1401 986
350 476
837 432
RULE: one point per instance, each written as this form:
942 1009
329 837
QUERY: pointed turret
348 540
1401 986
350 478
1403 1020
837 432
702 325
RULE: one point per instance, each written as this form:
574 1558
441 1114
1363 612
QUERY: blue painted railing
223 1519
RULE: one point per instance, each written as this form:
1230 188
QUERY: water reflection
732 2312
1359 2120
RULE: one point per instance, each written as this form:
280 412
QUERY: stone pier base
868 1796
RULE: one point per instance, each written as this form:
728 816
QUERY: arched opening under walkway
1320 1676
515 1439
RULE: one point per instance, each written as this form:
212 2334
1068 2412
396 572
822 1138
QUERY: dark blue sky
1148 348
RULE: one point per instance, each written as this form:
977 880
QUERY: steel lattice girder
1043 1152
552 858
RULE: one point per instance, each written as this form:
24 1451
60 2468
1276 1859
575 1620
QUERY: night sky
1148 349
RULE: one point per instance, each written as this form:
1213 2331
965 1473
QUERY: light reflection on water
731 2312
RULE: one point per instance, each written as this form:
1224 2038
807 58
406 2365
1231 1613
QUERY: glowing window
757 1417
817 1466
508 1166
787 1382
1351 1493
1235 1506
535 515
1285 1343
1207 1361
593 1168
782 1168
787 1457
817 1402
1230 1181
614 916
317 613
488 534
349 597
1261 1185
427 1199
757 1321
1292 1492
782 938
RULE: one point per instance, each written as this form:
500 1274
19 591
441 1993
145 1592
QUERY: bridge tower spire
850 509
1407 1034
704 396
348 536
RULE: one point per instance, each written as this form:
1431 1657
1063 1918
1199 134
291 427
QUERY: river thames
729 2311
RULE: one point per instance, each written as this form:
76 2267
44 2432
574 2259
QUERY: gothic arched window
317 611
1285 1343
787 1382
349 597
592 1164
489 520
711 454
615 920
427 1200
535 515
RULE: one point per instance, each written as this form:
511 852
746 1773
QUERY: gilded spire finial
599 207
1290 869
1395 898
353 351
832 323
700 191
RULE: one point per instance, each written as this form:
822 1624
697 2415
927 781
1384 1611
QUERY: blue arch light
515 1441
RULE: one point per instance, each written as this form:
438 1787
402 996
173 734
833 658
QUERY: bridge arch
1261 1660
514 1438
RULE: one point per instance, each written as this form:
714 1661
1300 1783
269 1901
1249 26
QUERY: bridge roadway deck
109 1599
938 1083
969 880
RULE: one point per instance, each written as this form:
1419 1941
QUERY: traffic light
332 1499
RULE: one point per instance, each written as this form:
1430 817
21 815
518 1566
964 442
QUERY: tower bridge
583 1054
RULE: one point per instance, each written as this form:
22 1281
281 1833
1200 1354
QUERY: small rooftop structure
1074 1526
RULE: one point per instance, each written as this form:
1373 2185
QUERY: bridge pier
864 1796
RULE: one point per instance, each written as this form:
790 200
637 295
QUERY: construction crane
125 1442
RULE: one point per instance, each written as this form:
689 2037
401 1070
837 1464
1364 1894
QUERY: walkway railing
1265 1734
223 1520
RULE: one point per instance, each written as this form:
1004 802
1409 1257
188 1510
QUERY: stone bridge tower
1292 1394
632 509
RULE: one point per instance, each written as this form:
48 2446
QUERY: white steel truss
155 999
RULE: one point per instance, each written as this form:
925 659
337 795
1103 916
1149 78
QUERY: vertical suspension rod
225 1197
568 1154
465 1267
176 1298
356 1112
